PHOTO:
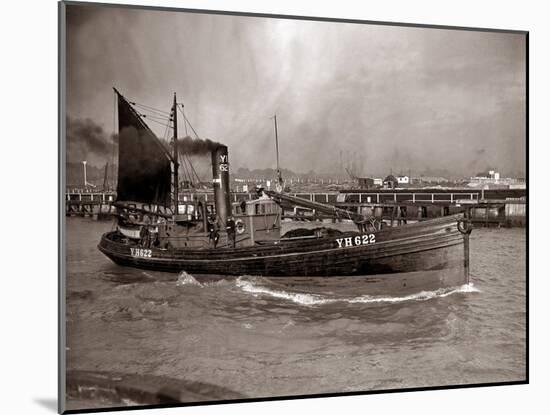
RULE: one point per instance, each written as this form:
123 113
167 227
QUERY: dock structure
84 203
402 206
500 207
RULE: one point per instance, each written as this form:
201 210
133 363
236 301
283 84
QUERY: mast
279 177
105 183
175 156
85 178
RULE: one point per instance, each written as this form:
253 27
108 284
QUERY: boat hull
434 253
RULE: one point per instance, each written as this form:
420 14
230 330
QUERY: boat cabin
259 221
254 222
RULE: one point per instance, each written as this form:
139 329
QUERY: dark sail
144 173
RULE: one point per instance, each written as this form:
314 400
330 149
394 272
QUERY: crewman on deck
213 234
145 237
230 229
156 240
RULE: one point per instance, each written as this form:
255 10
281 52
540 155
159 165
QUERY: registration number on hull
141 253
358 240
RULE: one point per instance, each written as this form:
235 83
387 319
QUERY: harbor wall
499 210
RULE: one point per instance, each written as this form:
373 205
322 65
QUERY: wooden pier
502 208
94 204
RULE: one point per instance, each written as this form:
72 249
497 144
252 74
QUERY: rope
184 120
165 135
147 107
161 123
190 170
194 171
191 126
185 172
153 117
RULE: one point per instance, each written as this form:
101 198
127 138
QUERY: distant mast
175 156
105 179
85 178
279 176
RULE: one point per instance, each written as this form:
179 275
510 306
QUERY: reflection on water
253 337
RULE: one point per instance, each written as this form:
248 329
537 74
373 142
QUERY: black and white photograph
266 206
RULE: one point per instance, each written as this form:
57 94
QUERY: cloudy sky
391 97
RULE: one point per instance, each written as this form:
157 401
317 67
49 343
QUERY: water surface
250 337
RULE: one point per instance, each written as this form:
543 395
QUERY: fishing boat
157 228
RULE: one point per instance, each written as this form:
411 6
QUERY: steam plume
197 146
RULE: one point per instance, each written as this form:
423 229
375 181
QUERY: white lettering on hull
358 240
141 253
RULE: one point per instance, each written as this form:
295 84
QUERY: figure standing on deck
144 237
213 234
230 229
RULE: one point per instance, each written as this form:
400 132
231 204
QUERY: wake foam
253 286
421 296
187 279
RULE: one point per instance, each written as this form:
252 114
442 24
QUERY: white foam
187 279
420 296
252 286
300 298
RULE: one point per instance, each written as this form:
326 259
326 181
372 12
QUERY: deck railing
326 197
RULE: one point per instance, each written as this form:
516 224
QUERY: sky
388 98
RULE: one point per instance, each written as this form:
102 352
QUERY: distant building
378 181
428 179
390 182
365 182
403 179
492 179
491 174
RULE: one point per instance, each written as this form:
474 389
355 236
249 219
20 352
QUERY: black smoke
85 139
197 146
478 159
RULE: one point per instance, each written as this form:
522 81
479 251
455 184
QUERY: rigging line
148 114
137 104
191 126
193 168
180 107
184 120
159 114
161 123
165 135
183 170
168 125
186 174
189 168
192 129
194 182
152 116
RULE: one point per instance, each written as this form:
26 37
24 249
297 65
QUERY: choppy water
254 338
